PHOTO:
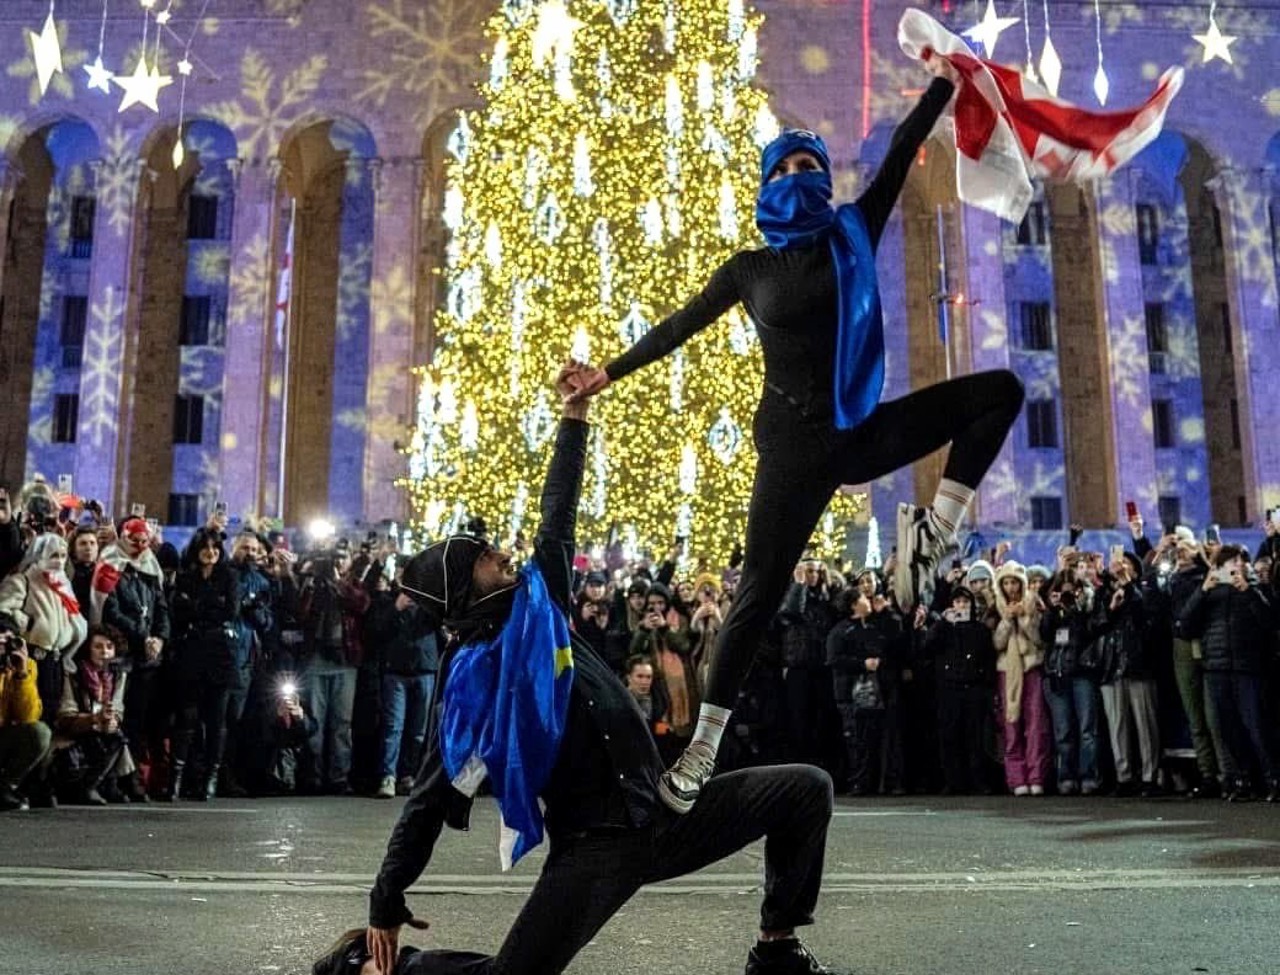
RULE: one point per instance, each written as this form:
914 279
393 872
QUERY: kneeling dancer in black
813 297
609 833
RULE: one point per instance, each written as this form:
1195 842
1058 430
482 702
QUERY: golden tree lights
613 170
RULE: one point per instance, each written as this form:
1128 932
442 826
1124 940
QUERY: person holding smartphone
24 738
1235 623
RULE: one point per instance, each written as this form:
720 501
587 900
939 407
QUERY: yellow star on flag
988 30
1215 43
47 51
142 87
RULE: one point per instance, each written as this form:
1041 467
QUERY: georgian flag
1009 130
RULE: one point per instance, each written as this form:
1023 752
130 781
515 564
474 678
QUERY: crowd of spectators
132 671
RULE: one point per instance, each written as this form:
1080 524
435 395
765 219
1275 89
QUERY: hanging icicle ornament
765 127
469 428
988 30
553 32
1101 83
582 182
580 350
519 314
669 27
747 55
729 229
46 50
564 75
676 388
539 423
741 334
519 504
459 142
673 104
99 76
517 11
548 221
604 75
1215 43
535 167
463 298
604 249
651 220
672 208
729 102
620 11
634 326
737 21
688 470
498 64
493 245
725 437
714 142
599 473
1029 72
705 87
453 208
184 72
1050 63
447 411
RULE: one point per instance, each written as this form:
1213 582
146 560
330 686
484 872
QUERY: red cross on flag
1009 130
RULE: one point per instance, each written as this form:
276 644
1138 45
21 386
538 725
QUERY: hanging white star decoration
47 51
143 86
1215 43
99 75
988 30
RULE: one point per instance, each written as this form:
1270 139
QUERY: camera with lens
10 644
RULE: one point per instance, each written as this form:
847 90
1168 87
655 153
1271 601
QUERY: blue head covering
796 211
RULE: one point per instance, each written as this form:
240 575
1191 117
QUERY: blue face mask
795 210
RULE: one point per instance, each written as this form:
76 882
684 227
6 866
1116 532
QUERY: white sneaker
680 785
1037 790
1022 790
387 788
921 546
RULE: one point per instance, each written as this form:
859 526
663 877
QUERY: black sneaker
11 800
786 957
921 546
680 785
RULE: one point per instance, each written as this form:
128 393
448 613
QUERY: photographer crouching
24 738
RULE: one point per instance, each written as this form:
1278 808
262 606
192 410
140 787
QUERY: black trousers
588 878
813 723
213 710
804 460
964 719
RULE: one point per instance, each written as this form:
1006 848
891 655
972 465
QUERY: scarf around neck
796 211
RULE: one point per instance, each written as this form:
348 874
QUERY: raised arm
877 202
555 544
720 294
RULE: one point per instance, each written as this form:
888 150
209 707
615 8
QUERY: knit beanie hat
439 578
1040 572
980 569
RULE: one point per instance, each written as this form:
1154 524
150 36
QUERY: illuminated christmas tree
612 171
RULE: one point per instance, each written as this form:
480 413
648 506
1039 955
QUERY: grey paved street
917 887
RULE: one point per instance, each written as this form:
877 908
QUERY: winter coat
77 703
406 642
254 618
1125 636
19 698
1019 647
40 615
806 618
138 609
1235 628
332 611
1071 648
965 652
204 614
1184 584
82 585
851 643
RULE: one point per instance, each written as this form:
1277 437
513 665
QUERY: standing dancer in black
813 297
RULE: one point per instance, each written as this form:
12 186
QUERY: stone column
9 177
250 330
104 383
1127 366
984 345
398 188
1243 199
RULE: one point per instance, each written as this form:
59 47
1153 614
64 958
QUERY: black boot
211 784
132 789
173 789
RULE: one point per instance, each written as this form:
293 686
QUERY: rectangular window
188 419
83 209
194 327
1042 423
202 218
184 510
1235 424
1046 514
75 317
1033 229
1217 226
1162 423
1170 508
66 417
1037 325
1157 333
1148 233
1224 312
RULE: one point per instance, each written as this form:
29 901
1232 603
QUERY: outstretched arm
555 546
720 294
878 201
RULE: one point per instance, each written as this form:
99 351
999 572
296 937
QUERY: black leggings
804 460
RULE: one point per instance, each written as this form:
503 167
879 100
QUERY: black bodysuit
791 296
